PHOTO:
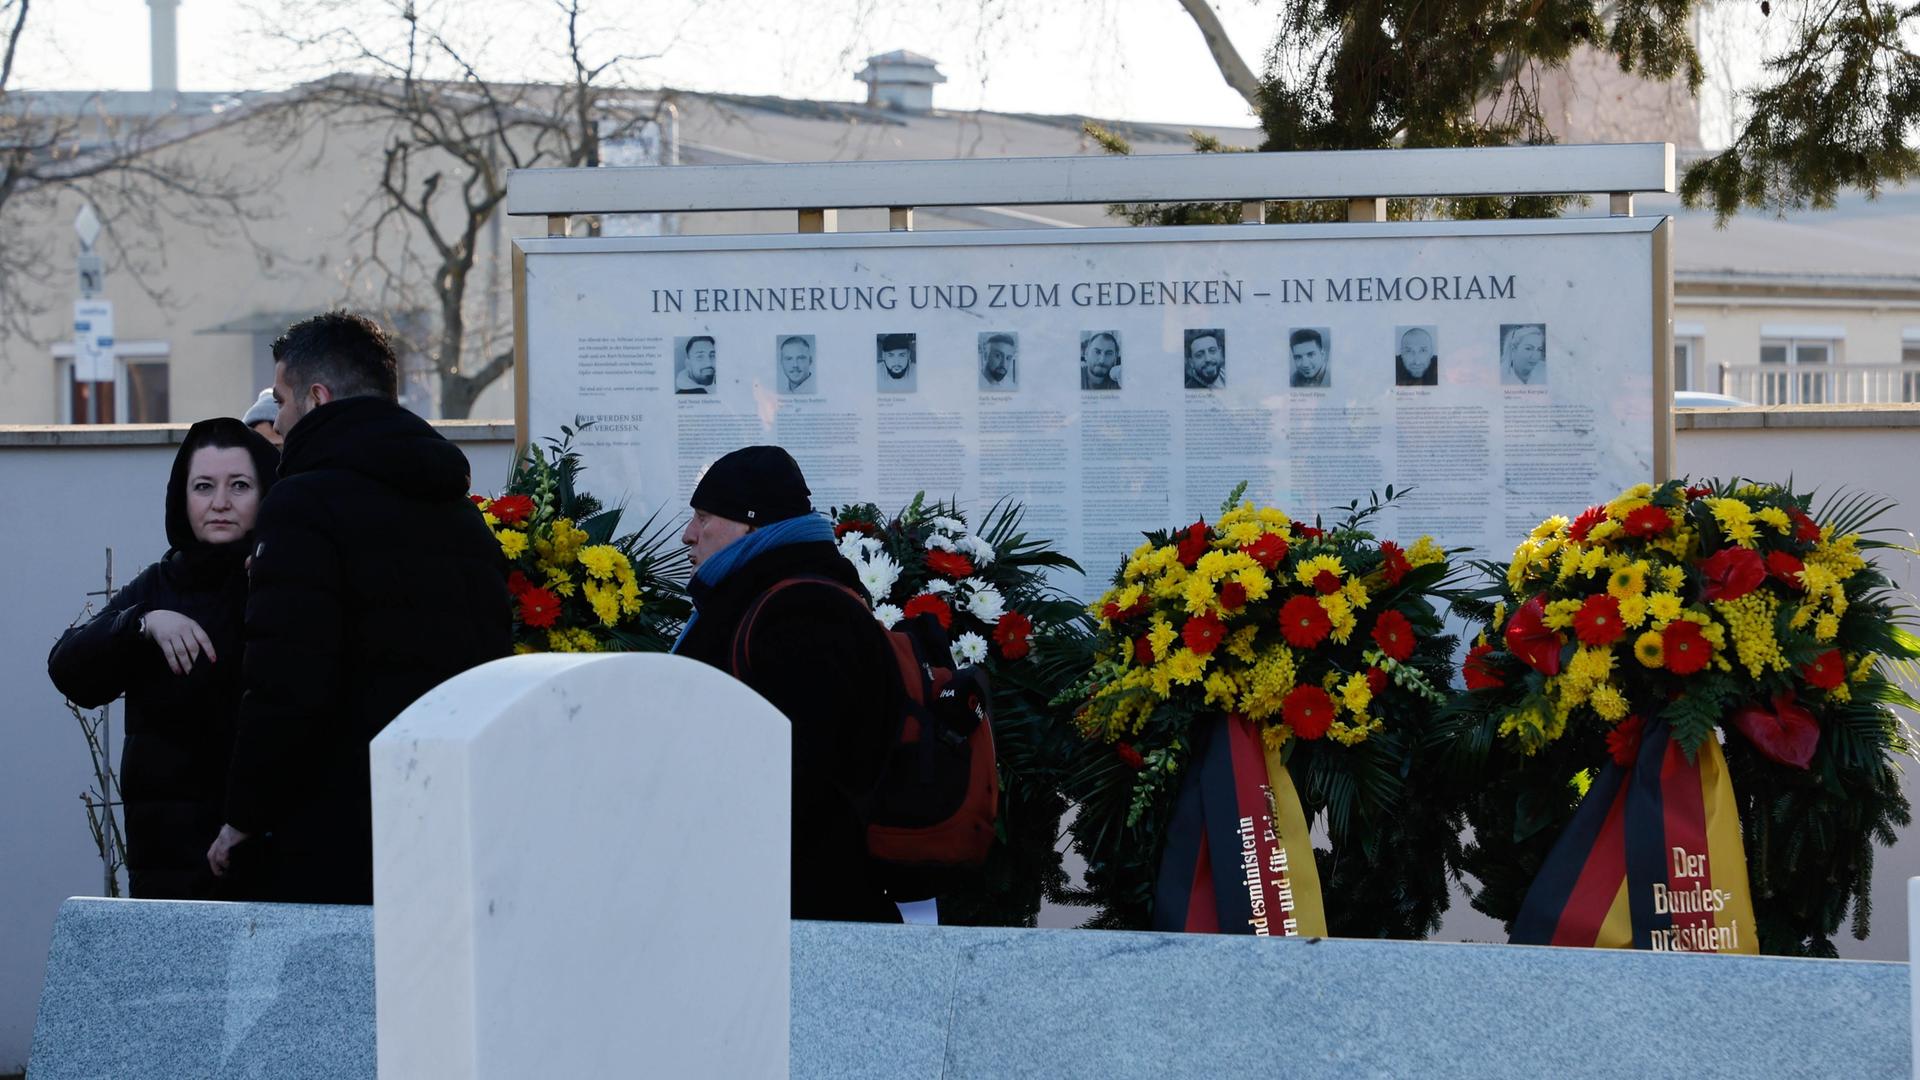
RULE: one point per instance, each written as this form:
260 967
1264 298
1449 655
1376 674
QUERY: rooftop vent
901 80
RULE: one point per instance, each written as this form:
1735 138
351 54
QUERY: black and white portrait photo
793 364
1099 360
1523 354
1000 360
898 372
1309 356
1206 359
1416 359
693 365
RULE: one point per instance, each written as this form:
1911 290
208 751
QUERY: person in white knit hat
261 416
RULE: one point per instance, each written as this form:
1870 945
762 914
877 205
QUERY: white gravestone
581 869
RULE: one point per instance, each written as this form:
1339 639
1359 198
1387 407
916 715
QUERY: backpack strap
740 661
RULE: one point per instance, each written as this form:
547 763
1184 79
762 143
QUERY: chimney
901 80
164 45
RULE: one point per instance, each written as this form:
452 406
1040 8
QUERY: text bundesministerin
1256 888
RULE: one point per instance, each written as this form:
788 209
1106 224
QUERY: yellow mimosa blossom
1750 618
1425 552
1826 626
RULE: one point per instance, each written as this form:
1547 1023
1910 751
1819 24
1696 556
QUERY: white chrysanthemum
877 574
939 585
986 603
888 615
980 550
850 546
940 542
950 526
969 648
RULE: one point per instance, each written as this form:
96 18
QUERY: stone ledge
1828 417
15 436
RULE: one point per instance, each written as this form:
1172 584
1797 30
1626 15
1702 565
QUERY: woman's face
1525 350
223 494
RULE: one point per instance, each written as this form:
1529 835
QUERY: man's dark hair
692 341
887 343
1301 337
346 353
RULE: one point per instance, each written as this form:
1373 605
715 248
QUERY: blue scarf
799 530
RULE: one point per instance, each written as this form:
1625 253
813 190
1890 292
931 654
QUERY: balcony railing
1821 384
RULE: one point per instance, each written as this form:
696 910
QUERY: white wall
69 503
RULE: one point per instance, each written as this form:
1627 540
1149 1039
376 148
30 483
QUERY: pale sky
1133 59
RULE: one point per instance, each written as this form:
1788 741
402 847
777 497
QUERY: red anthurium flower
1785 569
1193 544
1732 573
842 528
1393 562
1699 491
1597 623
1202 633
1013 635
1268 550
1479 671
1326 581
1591 516
949 563
539 607
1131 757
1529 639
1826 671
1142 651
1647 522
929 604
1376 681
511 509
1303 622
1394 634
517 583
1806 530
1686 649
1308 711
1623 742
1789 734
1232 594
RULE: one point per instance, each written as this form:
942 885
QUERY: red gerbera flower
1732 573
1647 522
1326 581
929 604
949 563
842 528
1308 532
1268 550
1598 622
1394 634
1529 639
1303 622
477 500
1478 670
1142 651
1806 530
1591 516
1308 711
1012 634
1393 562
1193 544
1623 742
511 509
539 607
1376 680
1232 594
1686 649
1785 569
1202 633
517 583
1827 670
1130 756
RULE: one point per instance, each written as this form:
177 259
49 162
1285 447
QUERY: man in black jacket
373 580
813 651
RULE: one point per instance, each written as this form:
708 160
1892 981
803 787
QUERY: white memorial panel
1501 370
581 869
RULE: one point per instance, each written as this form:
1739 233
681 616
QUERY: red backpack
933 813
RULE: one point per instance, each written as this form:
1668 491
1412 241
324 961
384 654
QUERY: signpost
92 317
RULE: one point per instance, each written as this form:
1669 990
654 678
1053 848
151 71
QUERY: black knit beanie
758 485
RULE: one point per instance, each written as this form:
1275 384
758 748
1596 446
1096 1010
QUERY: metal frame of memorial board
1577 327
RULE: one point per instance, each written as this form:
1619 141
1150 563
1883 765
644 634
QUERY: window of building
1795 371
138 393
1686 355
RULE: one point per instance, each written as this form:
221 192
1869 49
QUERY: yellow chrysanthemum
512 544
1664 607
599 560
1608 702
1555 524
1309 569
1559 614
1627 581
605 601
1160 635
1650 650
1355 694
1186 667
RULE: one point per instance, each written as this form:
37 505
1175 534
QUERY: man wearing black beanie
777 606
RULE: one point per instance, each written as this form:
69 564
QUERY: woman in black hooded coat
172 641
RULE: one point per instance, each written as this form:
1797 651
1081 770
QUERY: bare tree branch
1227 58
